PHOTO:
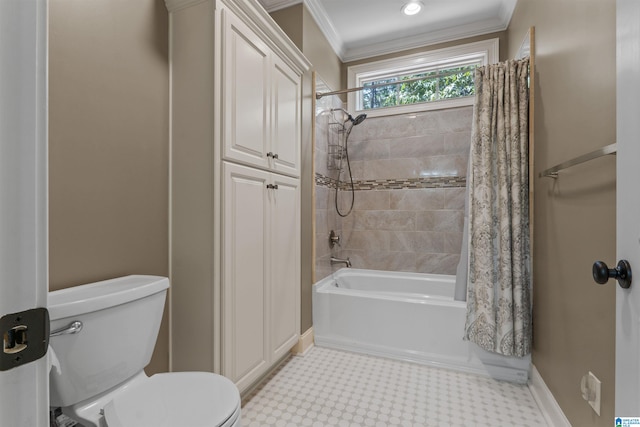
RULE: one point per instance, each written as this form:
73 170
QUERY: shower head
349 117
359 119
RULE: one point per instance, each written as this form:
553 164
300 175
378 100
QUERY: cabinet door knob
272 186
272 155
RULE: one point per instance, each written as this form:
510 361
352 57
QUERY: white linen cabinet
261 270
261 102
235 195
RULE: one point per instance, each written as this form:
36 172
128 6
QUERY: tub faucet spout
346 262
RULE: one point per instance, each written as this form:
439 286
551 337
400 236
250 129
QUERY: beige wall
108 143
317 49
290 20
326 64
193 224
302 29
300 26
298 23
574 319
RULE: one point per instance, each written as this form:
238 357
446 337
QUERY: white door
285 130
628 207
245 88
245 272
24 389
284 257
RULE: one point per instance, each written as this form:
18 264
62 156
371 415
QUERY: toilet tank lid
100 295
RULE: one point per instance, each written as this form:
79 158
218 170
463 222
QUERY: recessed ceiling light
412 8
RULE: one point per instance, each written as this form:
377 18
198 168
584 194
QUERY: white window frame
482 53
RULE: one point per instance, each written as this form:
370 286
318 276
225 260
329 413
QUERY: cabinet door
245 90
286 133
245 273
284 289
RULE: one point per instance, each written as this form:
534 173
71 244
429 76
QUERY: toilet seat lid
194 399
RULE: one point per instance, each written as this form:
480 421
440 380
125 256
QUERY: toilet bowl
176 399
102 337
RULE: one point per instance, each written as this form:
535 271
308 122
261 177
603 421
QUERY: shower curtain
499 276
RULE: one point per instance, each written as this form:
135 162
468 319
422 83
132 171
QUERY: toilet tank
120 317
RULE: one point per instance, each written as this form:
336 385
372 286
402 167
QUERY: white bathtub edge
477 368
548 405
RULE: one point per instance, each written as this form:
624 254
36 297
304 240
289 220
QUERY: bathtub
404 316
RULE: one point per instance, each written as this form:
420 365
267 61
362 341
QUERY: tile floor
335 388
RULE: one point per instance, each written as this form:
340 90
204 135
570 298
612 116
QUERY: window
431 80
447 83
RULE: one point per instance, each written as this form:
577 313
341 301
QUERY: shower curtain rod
373 86
338 92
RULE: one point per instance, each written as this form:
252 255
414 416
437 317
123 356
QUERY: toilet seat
194 399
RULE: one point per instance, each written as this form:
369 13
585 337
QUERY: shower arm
354 121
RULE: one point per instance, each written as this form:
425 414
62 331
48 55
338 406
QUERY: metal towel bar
553 172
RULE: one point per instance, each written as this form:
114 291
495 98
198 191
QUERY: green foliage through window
418 88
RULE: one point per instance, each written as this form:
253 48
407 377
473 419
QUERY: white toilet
102 336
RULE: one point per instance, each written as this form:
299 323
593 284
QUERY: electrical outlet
590 387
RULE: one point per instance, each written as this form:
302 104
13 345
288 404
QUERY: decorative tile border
325 181
395 184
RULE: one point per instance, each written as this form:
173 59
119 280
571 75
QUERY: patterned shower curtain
499 276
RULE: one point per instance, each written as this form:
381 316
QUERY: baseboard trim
249 391
305 342
551 411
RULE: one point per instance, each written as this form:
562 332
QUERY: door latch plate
25 337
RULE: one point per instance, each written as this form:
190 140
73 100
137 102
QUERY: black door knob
622 273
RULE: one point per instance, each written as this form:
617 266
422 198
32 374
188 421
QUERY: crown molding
348 53
352 53
450 34
273 5
326 27
506 11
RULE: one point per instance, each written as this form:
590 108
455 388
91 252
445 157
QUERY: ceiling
359 29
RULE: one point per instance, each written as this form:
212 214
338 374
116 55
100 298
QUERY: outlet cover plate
594 385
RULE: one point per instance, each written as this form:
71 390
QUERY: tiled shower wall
409 173
326 217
